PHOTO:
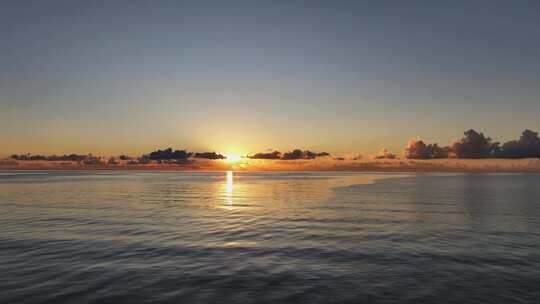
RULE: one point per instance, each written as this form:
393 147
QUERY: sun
232 157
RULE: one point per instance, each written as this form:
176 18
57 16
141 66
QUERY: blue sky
246 76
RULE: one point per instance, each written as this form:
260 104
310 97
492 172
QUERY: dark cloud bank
475 145
169 154
292 155
71 157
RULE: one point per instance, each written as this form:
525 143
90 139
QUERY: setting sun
232 157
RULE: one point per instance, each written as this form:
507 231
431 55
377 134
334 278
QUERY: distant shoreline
397 165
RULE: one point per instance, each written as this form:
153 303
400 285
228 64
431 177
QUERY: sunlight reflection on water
292 237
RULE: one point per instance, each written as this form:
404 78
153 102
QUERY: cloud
169 154
70 157
351 156
299 154
527 146
322 154
474 145
384 154
270 155
295 154
182 155
417 149
209 155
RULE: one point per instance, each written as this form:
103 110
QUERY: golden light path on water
229 187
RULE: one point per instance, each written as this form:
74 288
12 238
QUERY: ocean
296 237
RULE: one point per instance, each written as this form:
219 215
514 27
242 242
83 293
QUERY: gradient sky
112 77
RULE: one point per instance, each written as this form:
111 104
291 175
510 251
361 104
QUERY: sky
112 77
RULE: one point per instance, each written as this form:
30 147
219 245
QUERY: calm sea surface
115 237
